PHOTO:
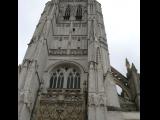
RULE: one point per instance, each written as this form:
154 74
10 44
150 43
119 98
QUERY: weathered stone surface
66 72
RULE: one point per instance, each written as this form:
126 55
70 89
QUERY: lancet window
73 80
57 79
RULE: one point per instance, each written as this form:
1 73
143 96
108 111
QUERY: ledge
112 108
131 115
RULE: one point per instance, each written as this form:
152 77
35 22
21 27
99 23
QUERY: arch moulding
51 66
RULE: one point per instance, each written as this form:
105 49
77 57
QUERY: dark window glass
68 82
79 13
67 13
73 78
55 82
62 81
75 82
74 70
71 86
79 82
51 82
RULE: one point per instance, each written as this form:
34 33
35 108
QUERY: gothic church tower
66 73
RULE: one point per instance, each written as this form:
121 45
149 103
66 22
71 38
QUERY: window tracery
69 75
57 80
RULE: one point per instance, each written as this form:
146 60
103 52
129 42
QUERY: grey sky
122 25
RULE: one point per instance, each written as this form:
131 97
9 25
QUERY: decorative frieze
83 38
73 0
67 38
78 52
62 96
68 52
96 100
84 24
74 24
61 111
56 38
74 37
63 25
79 24
58 52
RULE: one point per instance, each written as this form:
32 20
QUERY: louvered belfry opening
67 13
79 13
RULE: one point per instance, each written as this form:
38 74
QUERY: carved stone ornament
65 52
73 0
96 100
28 63
21 95
91 100
28 98
71 108
101 101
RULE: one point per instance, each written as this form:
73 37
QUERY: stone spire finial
127 64
134 68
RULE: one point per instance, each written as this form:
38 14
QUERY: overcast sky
122 25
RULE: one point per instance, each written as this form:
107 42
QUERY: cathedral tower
66 73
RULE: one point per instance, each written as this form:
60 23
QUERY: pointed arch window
77 81
57 80
79 13
70 81
64 77
73 81
67 13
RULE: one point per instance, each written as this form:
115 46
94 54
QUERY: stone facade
66 72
